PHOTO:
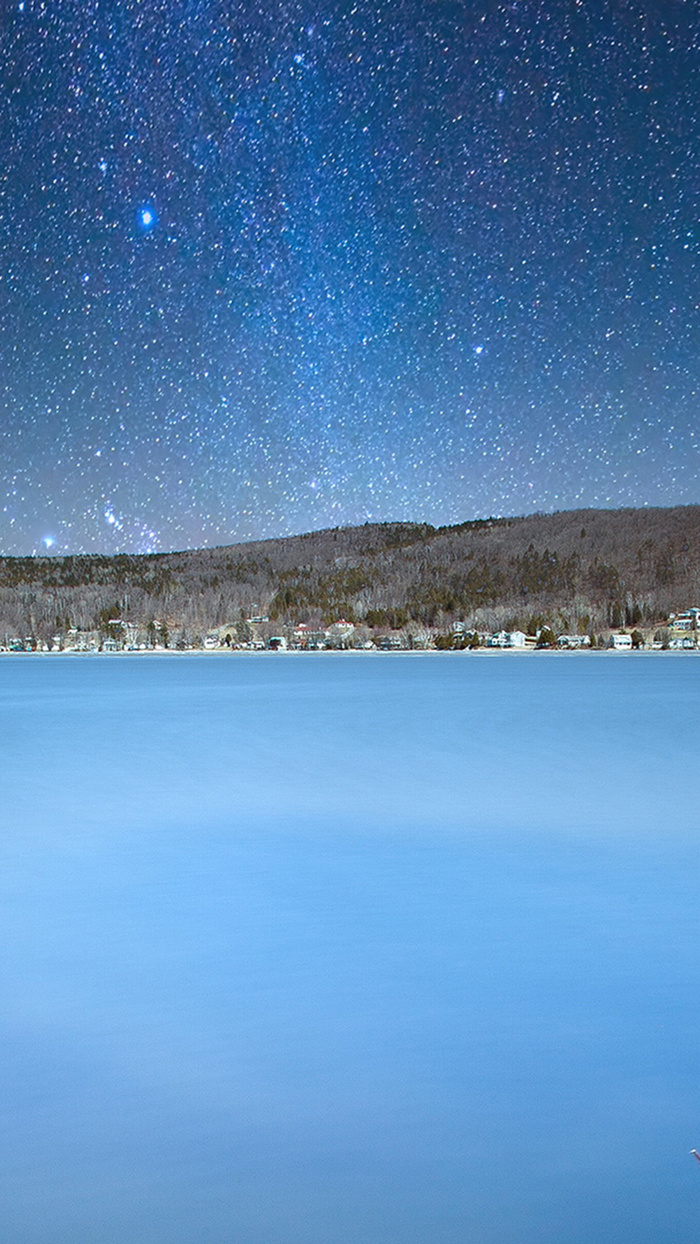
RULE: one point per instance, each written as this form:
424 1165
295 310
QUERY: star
147 218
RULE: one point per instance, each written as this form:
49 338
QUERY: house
574 641
309 639
339 634
507 639
517 639
81 641
620 643
682 623
390 643
497 640
124 633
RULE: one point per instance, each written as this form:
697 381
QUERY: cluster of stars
269 269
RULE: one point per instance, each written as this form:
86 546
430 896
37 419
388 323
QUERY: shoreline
357 652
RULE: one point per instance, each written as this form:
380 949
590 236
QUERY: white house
497 640
339 634
684 622
620 643
507 639
517 639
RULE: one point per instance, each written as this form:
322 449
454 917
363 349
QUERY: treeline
584 571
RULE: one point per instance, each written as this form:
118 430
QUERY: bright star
147 218
48 542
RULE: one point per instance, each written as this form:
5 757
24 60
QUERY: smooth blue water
340 949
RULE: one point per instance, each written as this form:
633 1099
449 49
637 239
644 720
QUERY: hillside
578 570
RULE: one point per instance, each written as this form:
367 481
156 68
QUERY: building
683 623
339 634
507 639
574 641
390 643
308 638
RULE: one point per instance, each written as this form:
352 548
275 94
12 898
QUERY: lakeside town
681 632
574 580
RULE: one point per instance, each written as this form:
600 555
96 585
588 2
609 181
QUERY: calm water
349 950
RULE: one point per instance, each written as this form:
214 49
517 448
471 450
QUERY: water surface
339 949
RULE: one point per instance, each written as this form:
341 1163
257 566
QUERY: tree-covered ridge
577 569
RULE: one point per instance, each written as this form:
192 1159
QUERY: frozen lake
340 949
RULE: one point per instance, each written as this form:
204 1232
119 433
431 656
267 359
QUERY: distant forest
581 571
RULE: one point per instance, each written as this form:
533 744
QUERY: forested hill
585 569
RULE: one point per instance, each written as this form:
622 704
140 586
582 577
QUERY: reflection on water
339 949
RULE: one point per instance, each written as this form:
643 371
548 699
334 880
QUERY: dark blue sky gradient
271 267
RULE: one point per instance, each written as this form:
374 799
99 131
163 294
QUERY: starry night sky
269 267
